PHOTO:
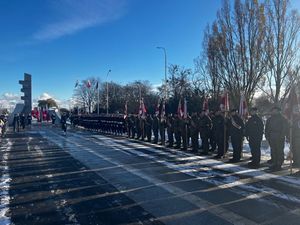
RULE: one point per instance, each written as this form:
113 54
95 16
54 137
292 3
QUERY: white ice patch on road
4 188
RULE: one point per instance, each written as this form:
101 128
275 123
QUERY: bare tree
282 50
85 94
233 48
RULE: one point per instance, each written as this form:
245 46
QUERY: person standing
221 126
276 131
170 130
254 130
295 142
194 128
16 123
155 127
53 118
63 122
22 121
177 131
236 132
29 119
148 127
205 131
162 129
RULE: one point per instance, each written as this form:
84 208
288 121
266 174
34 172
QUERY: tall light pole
107 91
165 52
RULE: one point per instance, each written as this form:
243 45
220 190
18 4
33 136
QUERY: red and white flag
179 109
126 110
292 104
205 105
224 106
88 84
185 109
163 108
157 108
142 109
243 109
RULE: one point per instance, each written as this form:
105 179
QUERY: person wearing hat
276 131
236 132
221 126
295 141
205 130
254 130
194 129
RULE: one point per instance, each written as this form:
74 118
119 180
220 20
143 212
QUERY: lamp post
165 53
107 91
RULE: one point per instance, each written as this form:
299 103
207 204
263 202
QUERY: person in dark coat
29 118
205 131
194 129
254 130
236 132
53 118
276 131
221 128
162 129
155 127
295 142
63 121
170 130
16 123
184 126
23 120
177 131
212 135
148 127
138 127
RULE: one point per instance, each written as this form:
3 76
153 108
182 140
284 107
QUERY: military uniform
194 129
184 132
148 127
296 140
162 127
254 130
155 127
276 130
220 127
236 131
177 132
205 131
170 130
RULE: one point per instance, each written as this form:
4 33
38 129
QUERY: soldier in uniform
148 127
170 130
184 132
177 132
194 129
16 123
276 131
212 135
138 127
162 129
22 121
205 131
29 118
155 127
236 132
53 117
296 137
254 130
221 131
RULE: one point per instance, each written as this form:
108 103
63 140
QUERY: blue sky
61 41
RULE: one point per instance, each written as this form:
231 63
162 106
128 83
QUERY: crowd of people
214 129
20 121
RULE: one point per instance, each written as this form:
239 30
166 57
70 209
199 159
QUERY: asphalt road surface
87 178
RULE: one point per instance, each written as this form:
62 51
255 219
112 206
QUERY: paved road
86 178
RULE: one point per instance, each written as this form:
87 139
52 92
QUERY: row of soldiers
214 129
20 121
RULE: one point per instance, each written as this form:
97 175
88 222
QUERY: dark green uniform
194 130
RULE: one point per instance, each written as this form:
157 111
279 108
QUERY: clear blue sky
61 41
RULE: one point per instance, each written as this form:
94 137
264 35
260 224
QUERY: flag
179 109
292 103
88 84
157 108
185 109
142 109
243 109
224 106
76 84
125 110
205 105
163 108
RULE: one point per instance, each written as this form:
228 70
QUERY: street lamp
107 91
165 52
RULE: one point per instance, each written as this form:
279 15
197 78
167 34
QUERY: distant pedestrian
63 122
29 119
53 118
22 121
16 123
